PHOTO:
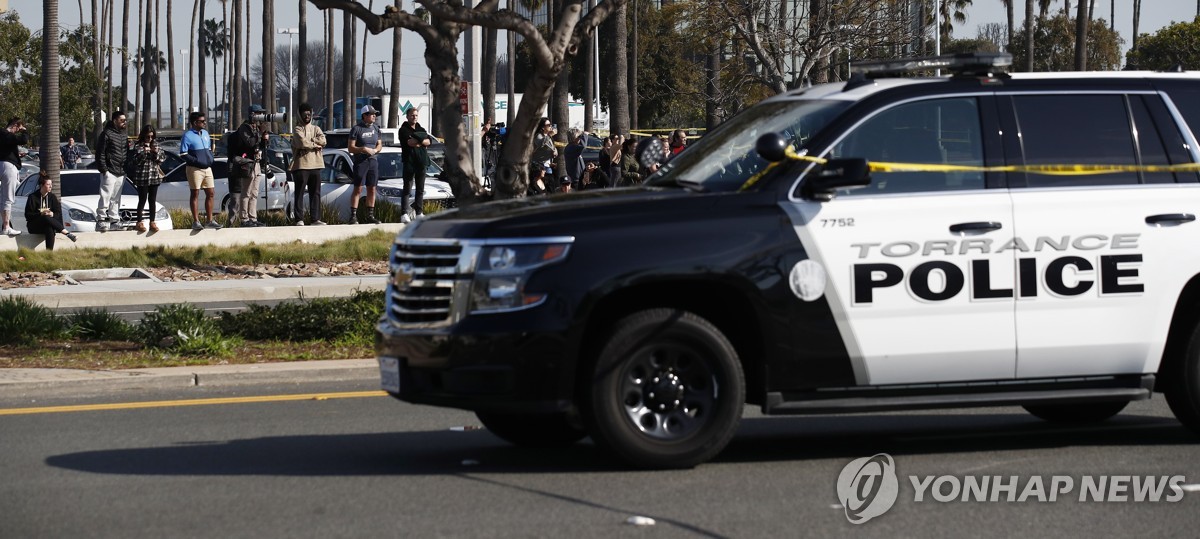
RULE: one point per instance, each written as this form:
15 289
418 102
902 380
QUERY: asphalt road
359 466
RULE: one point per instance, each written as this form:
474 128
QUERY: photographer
11 138
245 149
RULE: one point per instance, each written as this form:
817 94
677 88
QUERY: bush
184 328
91 324
326 319
25 322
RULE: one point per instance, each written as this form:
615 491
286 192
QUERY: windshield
724 159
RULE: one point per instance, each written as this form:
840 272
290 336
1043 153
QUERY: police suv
877 244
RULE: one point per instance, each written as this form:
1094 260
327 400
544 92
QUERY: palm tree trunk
171 66
394 102
202 91
329 84
147 65
1008 7
347 69
618 109
268 43
235 56
302 57
1137 21
99 95
191 80
487 73
125 57
512 74
589 120
633 67
50 91
1029 35
362 79
157 67
139 65
1081 28
108 39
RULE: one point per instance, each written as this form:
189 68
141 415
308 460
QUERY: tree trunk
712 83
202 90
559 103
1137 21
268 43
139 68
441 56
511 107
589 93
125 57
618 109
1081 28
348 114
148 65
1008 6
191 80
329 84
247 98
157 67
302 58
171 66
487 72
50 91
1029 35
236 105
397 53
362 77
99 93
633 67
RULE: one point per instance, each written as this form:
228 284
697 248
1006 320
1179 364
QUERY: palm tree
394 103
202 45
96 57
137 70
171 66
953 12
215 42
192 57
302 55
618 111
1008 8
157 73
328 90
1029 35
50 91
268 41
633 68
1137 21
153 61
1081 28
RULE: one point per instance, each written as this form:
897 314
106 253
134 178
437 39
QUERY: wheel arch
1183 322
723 304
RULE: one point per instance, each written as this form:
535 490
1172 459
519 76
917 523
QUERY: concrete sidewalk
16 383
224 237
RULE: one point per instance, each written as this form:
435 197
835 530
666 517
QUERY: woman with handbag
146 173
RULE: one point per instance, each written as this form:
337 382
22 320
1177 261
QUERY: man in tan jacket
307 142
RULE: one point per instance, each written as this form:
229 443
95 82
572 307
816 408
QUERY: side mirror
837 174
772 147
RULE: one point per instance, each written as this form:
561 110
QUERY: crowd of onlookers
616 166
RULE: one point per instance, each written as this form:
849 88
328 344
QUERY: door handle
1170 218
981 226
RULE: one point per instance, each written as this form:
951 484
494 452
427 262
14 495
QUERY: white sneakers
10 231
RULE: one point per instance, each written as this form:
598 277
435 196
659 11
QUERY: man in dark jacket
245 149
111 146
11 138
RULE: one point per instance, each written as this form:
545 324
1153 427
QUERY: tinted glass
937 131
88 184
1076 129
1150 145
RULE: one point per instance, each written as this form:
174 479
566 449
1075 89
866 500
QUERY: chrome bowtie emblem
403 276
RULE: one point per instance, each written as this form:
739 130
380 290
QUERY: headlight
80 215
502 272
390 191
161 215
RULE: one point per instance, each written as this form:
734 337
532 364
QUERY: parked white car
80 195
274 191
337 183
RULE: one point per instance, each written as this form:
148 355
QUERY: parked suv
980 239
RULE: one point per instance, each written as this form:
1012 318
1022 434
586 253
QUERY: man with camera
246 149
11 138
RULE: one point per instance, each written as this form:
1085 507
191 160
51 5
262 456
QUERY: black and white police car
979 239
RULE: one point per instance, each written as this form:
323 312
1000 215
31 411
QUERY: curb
37 382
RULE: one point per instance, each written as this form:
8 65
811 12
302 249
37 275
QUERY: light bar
968 62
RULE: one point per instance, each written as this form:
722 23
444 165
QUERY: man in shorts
365 141
196 150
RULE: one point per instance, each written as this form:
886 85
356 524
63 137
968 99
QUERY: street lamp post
291 92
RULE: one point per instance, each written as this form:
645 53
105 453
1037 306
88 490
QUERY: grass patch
373 246
77 354
92 324
349 320
185 329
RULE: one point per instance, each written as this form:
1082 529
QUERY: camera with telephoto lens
267 117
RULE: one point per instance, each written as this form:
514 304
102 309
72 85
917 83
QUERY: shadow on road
759 439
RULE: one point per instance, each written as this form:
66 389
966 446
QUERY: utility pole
382 80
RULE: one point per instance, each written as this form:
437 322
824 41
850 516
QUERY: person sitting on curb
43 212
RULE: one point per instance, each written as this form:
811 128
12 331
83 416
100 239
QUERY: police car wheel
667 390
1077 413
548 430
1183 384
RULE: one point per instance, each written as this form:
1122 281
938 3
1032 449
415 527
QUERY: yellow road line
190 402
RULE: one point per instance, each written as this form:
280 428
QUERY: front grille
427 280
131 214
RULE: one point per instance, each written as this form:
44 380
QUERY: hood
566 214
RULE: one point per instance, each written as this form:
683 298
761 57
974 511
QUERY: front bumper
512 372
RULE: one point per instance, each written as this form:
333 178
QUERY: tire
1183 384
666 391
551 430
1092 412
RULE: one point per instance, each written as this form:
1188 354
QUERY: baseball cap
565 180
257 108
368 110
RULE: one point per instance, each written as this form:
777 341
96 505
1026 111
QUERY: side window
1076 129
936 131
344 168
1150 144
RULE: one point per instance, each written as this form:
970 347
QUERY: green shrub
91 324
25 322
328 319
184 328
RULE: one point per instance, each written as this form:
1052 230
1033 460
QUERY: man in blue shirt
70 155
195 147
365 141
